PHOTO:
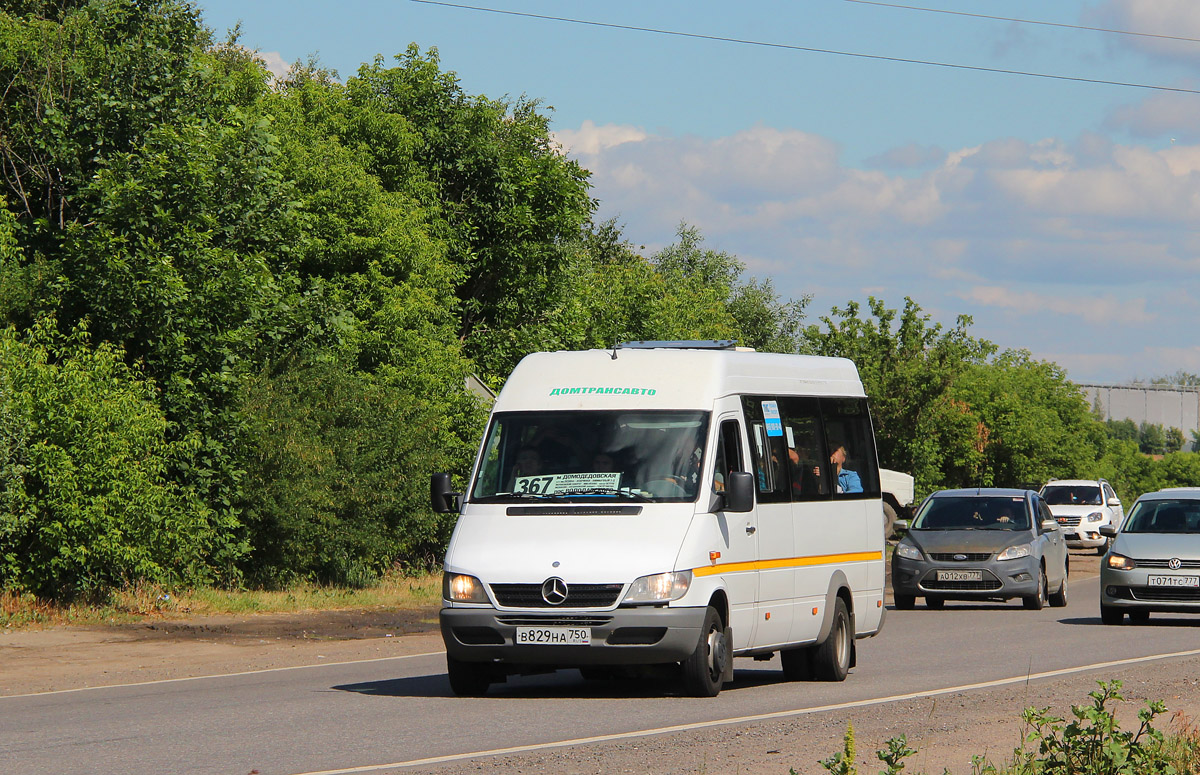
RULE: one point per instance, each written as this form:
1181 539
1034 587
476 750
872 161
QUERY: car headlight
1095 516
1014 552
908 551
1120 562
461 588
659 588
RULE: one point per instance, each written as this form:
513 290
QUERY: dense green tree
1124 430
908 365
1035 424
511 200
1152 439
86 501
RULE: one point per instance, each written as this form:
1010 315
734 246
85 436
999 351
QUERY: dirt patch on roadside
59 658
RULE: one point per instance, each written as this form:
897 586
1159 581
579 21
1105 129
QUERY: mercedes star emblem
554 591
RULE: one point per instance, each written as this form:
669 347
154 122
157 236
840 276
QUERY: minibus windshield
592 455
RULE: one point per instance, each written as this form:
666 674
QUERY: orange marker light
815 612
768 615
713 557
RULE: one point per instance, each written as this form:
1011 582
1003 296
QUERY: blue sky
1060 214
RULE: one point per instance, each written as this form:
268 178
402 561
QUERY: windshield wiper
529 495
637 496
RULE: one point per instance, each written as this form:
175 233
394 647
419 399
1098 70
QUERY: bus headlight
659 588
461 588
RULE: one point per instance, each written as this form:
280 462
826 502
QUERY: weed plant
1090 743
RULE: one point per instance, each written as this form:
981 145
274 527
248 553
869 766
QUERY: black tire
797 663
702 671
1139 616
468 679
889 520
935 603
831 658
1111 614
1102 549
1037 601
905 602
1059 598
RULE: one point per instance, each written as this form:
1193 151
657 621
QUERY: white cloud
590 139
1161 115
276 64
1165 18
1062 247
1087 307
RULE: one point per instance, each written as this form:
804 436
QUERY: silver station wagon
981 544
1154 561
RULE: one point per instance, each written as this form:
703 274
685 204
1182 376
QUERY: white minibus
663 507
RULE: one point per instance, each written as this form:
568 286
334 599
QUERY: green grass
142 602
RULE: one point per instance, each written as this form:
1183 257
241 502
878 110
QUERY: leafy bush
337 486
1093 743
85 502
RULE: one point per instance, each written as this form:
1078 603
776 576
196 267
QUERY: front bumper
1130 590
999 580
624 636
1085 536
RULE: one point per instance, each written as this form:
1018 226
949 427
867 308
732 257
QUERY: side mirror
441 497
1114 502
739 492
1109 531
900 526
1048 525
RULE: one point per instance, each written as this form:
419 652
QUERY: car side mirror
1109 531
443 499
1048 525
739 492
1114 502
900 526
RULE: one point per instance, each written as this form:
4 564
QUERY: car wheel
1141 617
1111 614
936 603
468 679
702 671
797 663
831 659
1037 601
1059 598
1102 549
906 602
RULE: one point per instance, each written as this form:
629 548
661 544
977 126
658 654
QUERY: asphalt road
398 713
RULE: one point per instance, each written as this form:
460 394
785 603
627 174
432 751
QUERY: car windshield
1072 495
1164 516
596 455
973 513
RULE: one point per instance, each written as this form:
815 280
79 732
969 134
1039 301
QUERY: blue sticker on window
771 418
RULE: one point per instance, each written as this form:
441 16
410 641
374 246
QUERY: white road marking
221 675
745 719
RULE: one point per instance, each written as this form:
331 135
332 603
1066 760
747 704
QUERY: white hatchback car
1081 506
